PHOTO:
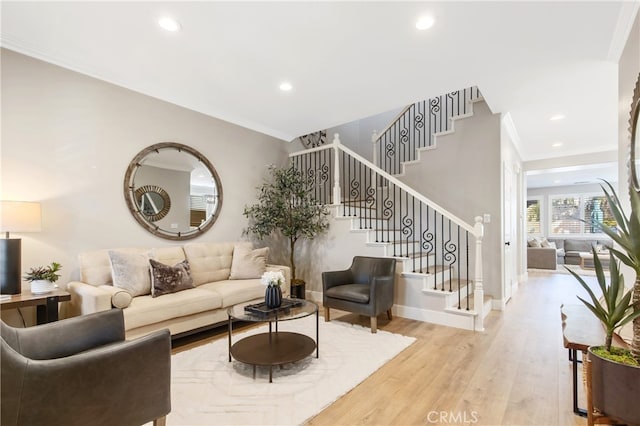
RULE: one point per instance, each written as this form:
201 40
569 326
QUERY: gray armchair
81 371
366 288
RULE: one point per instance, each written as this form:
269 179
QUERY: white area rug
209 390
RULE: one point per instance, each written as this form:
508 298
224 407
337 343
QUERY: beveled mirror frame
130 192
634 149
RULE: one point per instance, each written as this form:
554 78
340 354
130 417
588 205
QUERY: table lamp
15 216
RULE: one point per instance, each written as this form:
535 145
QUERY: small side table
46 304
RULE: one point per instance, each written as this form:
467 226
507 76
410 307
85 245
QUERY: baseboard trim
435 317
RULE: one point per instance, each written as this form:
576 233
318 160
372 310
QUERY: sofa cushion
358 293
168 255
145 310
209 261
130 271
95 266
248 263
167 279
571 245
534 242
233 292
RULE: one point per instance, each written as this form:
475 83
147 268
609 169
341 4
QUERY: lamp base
10 265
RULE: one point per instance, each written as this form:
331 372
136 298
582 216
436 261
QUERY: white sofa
181 312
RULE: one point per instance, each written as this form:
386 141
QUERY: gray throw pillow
130 271
167 279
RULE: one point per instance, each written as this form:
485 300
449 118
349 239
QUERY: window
574 214
565 215
533 217
597 208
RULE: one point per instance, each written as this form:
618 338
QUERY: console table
46 304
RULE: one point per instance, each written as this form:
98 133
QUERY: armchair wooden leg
161 421
374 324
389 315
327 318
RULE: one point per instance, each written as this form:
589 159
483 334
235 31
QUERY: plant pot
273 297
41 286
298 288
615 388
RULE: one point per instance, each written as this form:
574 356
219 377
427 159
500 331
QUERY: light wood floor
514 373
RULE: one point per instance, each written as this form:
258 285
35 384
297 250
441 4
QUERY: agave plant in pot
42 278
615 383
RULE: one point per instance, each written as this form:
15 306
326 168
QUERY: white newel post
337 198
478 292
374 141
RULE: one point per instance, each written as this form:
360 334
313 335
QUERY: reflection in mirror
173 191
154 202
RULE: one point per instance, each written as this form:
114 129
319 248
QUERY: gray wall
356 135
463 175
67 140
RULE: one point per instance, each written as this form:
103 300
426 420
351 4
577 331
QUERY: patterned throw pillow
167 279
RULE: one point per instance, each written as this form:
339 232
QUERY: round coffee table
275 347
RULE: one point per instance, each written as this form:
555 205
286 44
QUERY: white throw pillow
130 271
535 243
248 263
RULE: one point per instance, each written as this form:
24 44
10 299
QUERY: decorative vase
41 286
273 297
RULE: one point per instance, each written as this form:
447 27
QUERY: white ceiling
573 175
348 60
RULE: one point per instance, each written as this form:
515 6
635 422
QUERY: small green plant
618 309
47 273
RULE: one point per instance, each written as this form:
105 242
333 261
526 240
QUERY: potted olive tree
616 372
286 206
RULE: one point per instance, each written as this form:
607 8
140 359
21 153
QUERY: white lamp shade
20 216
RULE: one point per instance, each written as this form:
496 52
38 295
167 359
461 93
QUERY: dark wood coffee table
275 347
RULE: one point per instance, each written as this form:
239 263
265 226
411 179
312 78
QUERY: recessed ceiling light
557 117
556 145
169 24
425 22
285 86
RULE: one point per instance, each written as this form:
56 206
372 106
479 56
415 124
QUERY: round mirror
634 151
173 191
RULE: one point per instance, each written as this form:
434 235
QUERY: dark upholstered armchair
81 371
366 288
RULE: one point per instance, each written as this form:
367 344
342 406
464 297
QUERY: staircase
439 254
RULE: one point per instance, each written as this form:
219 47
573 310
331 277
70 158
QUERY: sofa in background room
547 253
